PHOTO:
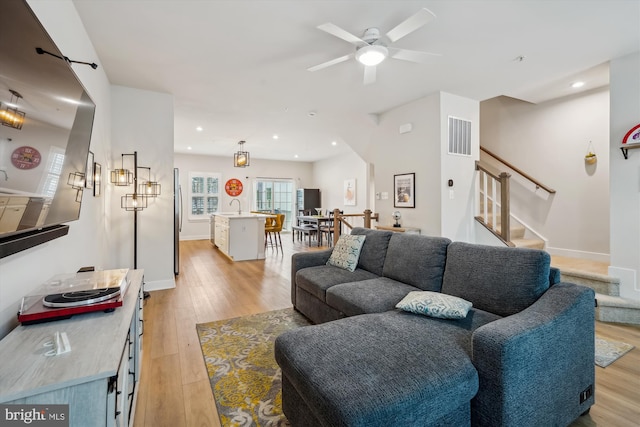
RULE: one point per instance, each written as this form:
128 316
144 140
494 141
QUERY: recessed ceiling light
275 136
295 156
199 128
188 148
576 85
334 143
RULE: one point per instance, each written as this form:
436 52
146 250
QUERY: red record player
62 296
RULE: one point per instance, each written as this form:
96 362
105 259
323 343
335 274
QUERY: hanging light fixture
9 113
122 177
76 181
133 202
149 188
241 158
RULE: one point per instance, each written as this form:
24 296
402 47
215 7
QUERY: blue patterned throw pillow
346 252
435 304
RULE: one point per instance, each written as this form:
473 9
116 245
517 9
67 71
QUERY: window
204 194
49 181
275 195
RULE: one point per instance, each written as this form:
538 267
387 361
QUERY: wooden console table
408 230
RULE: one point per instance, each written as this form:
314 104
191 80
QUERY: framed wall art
404 189
88 181
97 179
349 192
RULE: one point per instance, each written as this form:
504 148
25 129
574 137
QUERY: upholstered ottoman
379 370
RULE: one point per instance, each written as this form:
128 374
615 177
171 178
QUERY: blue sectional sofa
522 356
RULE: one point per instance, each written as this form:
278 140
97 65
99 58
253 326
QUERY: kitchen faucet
6 177
239 208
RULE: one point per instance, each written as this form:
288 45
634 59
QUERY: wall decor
404 187
630 140
233 187
350 192
97 179
590 158
25 158
88 182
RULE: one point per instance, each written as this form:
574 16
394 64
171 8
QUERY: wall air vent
459 136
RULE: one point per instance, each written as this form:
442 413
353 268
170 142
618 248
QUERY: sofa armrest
302 260
535 365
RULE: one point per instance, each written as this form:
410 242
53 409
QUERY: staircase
517 230
493 186
610 307
518 239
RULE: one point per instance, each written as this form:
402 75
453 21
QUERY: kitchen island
239 236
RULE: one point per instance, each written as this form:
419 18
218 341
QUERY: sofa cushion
416 260
392 368
374 249
346 252
367 296
500 280
316 280
435 304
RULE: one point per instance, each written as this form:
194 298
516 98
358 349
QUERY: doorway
275 195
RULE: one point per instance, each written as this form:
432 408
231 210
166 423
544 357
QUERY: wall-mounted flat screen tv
46 119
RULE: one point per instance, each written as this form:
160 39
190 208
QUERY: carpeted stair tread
589 275
617 309
601 283
528 243
613 301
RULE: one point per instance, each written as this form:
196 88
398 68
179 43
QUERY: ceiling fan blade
412 55
411 24
330 63
369 74
334 30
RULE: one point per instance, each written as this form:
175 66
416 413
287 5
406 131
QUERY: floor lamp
136 201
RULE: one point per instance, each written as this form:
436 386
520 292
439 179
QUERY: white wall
549 141
415 152
423 151
625 175
86 243
143 122
329 176
458 201
300 172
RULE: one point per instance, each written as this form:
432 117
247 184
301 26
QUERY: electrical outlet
586 393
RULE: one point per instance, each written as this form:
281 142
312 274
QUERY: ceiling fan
371 49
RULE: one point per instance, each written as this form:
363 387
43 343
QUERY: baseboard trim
593 256
158 285
202 237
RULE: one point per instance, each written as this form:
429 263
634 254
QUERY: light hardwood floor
174 389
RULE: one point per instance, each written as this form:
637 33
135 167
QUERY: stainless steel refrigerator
177 219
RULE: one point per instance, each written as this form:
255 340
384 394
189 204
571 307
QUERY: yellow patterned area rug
244 376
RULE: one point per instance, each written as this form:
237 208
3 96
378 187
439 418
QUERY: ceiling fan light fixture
371 55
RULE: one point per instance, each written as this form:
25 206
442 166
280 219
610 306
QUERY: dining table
317 220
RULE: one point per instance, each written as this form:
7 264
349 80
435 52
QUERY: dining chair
327 227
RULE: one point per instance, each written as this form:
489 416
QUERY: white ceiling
238 68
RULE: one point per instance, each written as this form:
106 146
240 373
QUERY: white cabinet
12 213
221 237
240 237
97 379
